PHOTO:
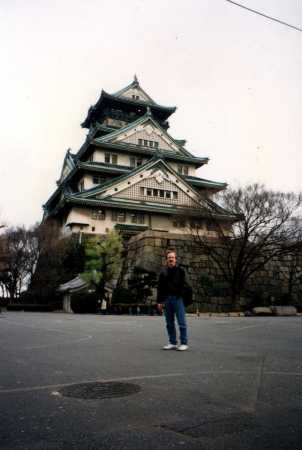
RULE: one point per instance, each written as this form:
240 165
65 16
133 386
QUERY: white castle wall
79 217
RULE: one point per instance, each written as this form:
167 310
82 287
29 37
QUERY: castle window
162 193
121 217
110 158
146 143
118 216
98 214
98 180
90 159
81 187
184 170
132 161
135 161
179 223
138 218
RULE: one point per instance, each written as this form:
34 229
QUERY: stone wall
148 249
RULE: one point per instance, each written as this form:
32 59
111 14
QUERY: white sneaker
170 347
182 347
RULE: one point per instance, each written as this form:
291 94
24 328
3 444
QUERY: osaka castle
130 174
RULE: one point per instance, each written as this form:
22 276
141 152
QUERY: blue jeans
174 307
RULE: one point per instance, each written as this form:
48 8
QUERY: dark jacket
171 282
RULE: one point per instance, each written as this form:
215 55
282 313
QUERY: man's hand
159 308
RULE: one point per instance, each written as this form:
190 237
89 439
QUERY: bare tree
292 268
37 258
21 249
15 268
54 260
263 226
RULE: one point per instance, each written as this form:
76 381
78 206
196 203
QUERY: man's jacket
172 281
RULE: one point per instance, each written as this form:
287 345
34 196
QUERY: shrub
15 307
122 295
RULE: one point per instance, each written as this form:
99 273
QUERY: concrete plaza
239 386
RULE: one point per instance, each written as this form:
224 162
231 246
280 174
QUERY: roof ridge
134 84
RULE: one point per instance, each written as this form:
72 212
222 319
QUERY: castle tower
130 173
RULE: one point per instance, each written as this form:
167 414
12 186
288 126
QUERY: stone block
158 242
262 311
284 310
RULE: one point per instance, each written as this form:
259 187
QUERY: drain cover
100 390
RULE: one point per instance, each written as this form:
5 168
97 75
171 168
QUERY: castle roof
107 194
113 139
131 98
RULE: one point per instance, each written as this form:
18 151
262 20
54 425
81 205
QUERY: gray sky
234 76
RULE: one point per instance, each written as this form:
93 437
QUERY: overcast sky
234 76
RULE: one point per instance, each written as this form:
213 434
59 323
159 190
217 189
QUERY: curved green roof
161 112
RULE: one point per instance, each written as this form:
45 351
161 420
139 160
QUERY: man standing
170 292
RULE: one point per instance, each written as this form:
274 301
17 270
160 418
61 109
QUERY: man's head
171 258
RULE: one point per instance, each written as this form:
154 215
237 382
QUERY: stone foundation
148 250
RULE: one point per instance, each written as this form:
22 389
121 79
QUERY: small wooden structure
73 286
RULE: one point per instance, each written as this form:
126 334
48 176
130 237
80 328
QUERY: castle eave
140 150
140 107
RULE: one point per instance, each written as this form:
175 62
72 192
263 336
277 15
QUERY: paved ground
238 387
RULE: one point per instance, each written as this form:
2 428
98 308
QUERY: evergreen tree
103 261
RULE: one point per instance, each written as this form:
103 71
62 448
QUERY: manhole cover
100 390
